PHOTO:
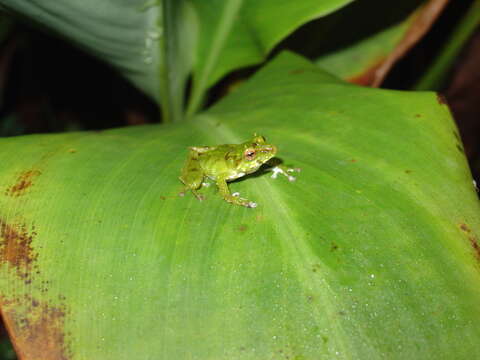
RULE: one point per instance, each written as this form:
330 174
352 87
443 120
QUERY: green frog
224 163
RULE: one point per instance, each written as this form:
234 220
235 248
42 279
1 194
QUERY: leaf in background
150 43
236 33
371 254
127 34
436 74
155 44
10 126
352 46
6 52
180 42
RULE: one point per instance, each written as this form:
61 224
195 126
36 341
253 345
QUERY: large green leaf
371 253
156 44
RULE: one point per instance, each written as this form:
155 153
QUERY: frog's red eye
250 154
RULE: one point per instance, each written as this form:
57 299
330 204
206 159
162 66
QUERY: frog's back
218 161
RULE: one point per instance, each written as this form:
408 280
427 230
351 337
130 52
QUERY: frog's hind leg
193 186
192 175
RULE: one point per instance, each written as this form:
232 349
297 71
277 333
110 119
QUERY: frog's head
255 153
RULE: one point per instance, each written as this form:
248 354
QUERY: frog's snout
274 149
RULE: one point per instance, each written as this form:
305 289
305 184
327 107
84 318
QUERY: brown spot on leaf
465 228
472 238
16 249
297 71
441 99
334 247
24 181
418 115
260 218
36 328
242 228
408 171
475 246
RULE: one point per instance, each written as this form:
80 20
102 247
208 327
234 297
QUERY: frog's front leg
225 192
282 169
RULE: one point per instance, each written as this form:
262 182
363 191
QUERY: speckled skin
224 163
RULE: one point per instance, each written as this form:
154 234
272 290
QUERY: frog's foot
235 197
284 171
237 200
197 195
245 202
248 203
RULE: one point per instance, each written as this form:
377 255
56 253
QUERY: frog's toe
291 178
236 194
182 193
294 169
275 171
251 204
